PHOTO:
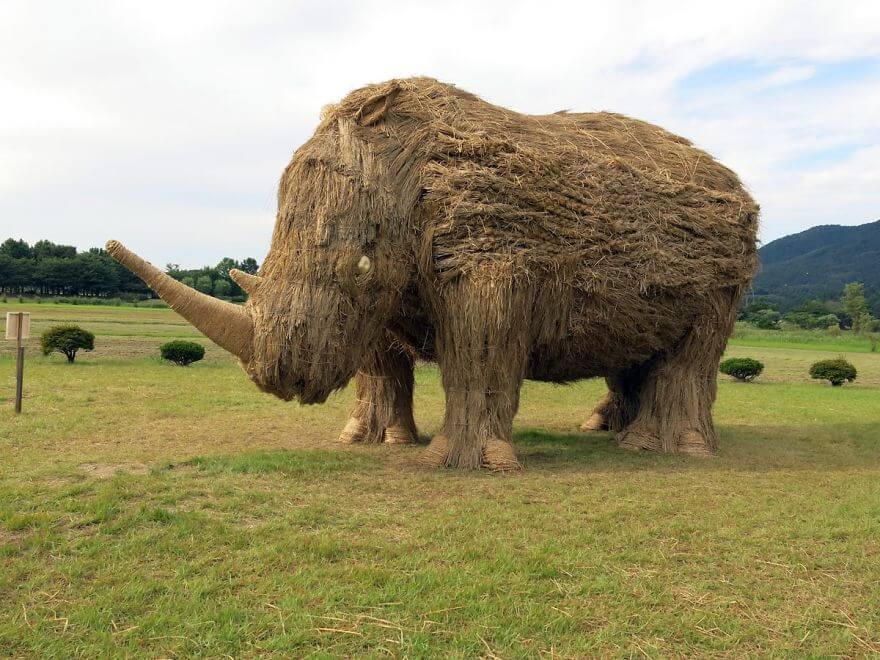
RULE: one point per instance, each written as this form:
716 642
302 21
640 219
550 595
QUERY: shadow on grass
295 463
740 448
539 449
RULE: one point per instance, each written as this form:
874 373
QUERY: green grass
121 332
746 334
153 510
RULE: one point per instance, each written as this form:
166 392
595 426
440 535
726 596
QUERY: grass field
153 510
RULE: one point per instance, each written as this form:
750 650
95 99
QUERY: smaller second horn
249 283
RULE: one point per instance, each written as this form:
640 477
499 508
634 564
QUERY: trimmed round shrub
835 371
67 339
182 352
745 369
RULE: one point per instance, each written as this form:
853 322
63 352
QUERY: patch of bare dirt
107 470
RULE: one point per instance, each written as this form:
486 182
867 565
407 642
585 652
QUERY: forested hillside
818 262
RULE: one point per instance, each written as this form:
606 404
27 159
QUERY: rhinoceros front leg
384 390
481 352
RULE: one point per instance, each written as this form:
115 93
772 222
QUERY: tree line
850 312
48 269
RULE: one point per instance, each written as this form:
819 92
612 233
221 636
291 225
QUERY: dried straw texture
383 409
505 246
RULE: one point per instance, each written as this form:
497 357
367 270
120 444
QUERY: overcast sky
167 124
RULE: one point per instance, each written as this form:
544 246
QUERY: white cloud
147 120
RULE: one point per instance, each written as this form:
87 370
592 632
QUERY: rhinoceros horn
226 324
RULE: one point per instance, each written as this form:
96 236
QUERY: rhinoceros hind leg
678 389
598 420
383 410
619 406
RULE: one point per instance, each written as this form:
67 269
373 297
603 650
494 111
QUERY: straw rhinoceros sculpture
420 221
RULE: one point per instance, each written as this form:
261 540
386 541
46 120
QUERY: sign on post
18 327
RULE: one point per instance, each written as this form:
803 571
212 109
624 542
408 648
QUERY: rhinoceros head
341 254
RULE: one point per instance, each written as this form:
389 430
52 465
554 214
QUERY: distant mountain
816 263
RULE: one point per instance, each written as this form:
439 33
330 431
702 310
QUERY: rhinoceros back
626 229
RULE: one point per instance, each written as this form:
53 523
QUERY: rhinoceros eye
365 265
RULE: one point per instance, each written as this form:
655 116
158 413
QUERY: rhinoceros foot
398 434
694 443
437 452
497 455
596 422
357 430
689 441
637 439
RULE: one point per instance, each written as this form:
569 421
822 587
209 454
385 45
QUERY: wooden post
18 325
19 364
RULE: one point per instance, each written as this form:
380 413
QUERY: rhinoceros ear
376 107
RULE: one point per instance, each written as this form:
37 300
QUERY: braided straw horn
248 283
224 323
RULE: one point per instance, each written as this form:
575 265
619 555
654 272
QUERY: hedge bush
745 369
835 371
182 352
